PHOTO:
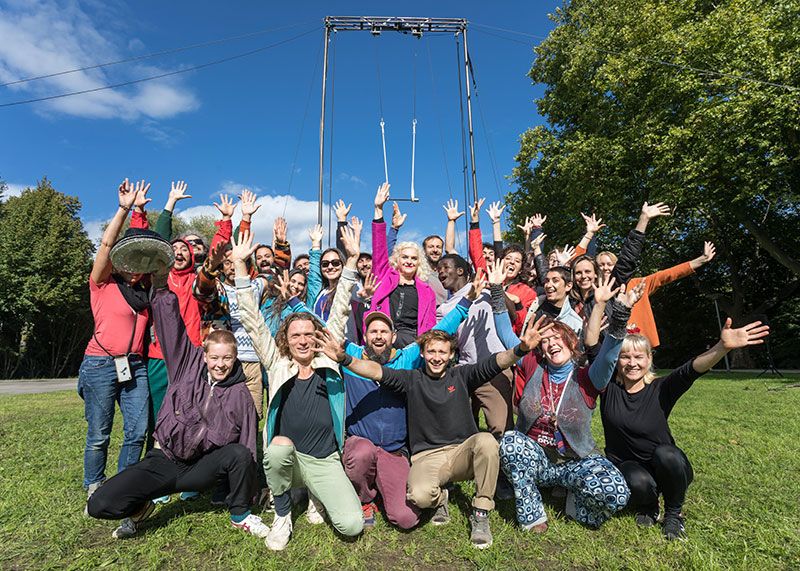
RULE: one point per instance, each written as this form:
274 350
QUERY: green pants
157 382
325 479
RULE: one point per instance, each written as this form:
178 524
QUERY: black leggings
668 472
156 476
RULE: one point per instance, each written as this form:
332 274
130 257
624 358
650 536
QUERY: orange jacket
642 312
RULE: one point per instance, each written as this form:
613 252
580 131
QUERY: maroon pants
373 470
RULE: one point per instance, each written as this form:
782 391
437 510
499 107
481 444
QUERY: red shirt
114 321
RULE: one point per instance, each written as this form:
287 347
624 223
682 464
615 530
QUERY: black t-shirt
305 416
404 302
636 423
439 410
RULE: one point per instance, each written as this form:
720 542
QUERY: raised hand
475 210
329 346
215 257
342 210
357 225
249 206
282 285
593 224
538 220
451 208
315 233
178 191
565 255
371 284
496 272
709 251
398 218
476 287
126 194
140 199
751 334
279 230
351 238
226 206
243 248
629 296
533 335
604 291
536 244
651 211
527 227
382 195
495 210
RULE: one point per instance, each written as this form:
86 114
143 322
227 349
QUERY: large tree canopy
634 113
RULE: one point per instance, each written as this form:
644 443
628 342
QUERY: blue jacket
379 414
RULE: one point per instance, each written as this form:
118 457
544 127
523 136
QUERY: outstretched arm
730 339
451 208
164 224
341 308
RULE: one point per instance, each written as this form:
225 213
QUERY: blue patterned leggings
599 488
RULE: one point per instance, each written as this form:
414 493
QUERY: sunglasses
332 263
196 242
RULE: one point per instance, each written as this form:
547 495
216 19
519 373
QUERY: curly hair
641 343
569 338
282 336
423 268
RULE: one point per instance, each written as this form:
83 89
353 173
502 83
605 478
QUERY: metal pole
719 321
469 119
322 123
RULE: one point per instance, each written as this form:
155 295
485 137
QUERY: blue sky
238 124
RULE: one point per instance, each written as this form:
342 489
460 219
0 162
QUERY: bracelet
126 209
347 360
210 274
520 352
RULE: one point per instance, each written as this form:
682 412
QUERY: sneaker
673 528
442 514
129 525
569 506
278 537
188 496
481 535
162 500
253 525
89 491
315 514
368 511
648 519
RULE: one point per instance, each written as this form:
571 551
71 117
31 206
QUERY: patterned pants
599 489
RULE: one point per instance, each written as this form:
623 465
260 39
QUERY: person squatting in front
446 445
205 433
304 432
551 444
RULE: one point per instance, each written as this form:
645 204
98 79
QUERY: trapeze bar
378 24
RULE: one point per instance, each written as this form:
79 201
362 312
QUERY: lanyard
557 407
130 343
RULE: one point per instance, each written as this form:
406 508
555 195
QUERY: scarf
136 295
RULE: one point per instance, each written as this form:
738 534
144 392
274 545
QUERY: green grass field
741 435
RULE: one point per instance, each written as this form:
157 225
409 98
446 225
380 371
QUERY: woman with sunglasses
402 293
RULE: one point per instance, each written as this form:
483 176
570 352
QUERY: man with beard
433 246
375 452
271 260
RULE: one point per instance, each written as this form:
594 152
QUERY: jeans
99 389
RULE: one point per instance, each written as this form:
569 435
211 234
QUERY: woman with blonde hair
402 293
635 411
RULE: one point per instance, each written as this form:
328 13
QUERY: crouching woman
552 442
304 432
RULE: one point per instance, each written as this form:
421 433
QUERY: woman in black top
635 410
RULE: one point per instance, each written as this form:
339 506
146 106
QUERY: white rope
413 154
385 164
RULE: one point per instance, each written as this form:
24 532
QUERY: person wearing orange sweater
642 314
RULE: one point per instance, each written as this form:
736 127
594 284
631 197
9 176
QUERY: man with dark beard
375 452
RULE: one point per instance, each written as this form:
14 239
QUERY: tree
631 119
45 258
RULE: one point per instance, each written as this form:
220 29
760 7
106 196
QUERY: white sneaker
278 537
253 525
89 491
315 514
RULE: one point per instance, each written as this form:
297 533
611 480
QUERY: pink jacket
389 278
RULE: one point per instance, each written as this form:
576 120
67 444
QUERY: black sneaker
481 535
442 514
646 519
673 528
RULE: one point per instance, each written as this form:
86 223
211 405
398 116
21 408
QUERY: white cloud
346 177
49 36
15 189
94 228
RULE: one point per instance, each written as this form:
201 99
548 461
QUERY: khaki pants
494 398
476 458
255 384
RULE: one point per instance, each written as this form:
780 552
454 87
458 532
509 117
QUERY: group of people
377 364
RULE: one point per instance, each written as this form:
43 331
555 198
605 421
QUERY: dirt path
37 386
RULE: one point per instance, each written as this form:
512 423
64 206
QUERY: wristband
346 361
519 352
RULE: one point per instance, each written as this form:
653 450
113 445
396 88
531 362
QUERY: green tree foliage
45 258
629 121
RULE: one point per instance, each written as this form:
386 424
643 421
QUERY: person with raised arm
551 444
305 427
205 432
402 292
519 294
635 411
376 452
113 367
444 439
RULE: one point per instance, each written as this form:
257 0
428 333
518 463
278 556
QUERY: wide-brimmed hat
141 251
